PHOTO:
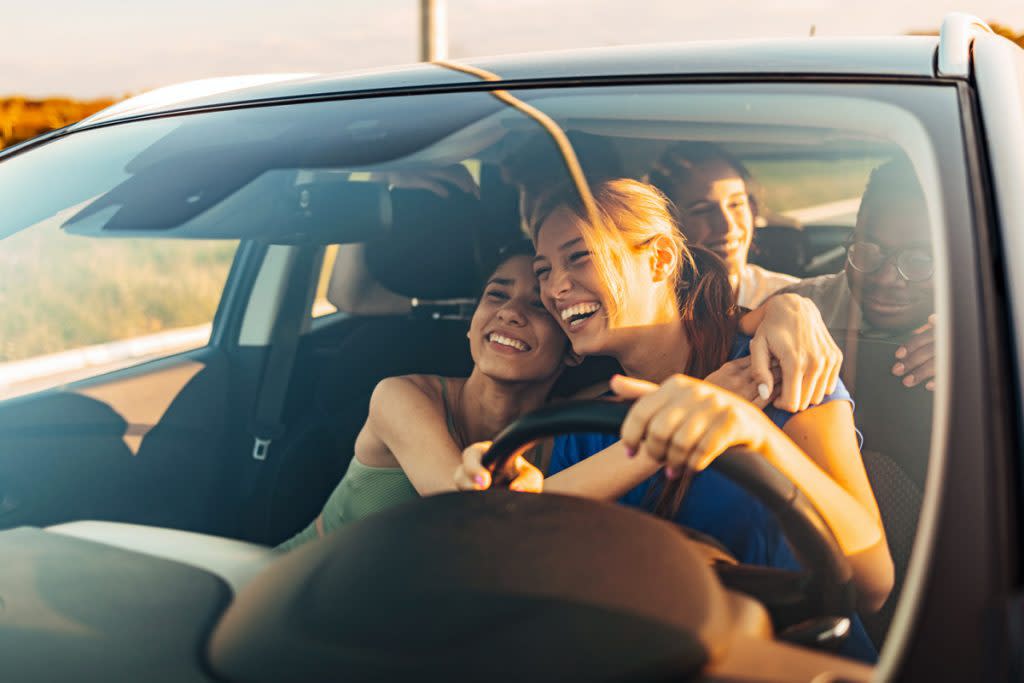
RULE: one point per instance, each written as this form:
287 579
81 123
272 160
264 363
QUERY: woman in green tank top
418 425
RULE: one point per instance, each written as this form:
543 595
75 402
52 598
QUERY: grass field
61 292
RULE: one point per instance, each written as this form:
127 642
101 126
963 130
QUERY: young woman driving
628 287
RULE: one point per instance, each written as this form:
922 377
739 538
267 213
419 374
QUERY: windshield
838 192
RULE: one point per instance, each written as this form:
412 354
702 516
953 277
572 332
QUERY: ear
570 358
664 257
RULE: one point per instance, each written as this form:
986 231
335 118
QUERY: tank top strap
448 417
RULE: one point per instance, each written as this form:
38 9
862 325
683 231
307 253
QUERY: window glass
76 307
837 191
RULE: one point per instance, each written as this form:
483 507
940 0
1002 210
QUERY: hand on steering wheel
472 475
828 584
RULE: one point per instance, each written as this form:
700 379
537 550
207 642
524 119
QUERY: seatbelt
266 425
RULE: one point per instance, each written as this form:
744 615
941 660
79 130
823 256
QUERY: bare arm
688 423
357 291
407 423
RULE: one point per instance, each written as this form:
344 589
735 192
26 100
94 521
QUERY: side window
76 307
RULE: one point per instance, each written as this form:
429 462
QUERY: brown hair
631 214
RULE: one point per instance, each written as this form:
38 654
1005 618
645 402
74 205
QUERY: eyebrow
500 281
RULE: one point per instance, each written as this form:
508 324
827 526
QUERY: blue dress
714 505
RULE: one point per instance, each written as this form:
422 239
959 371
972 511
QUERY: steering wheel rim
830 579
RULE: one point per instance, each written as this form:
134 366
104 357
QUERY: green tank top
365 490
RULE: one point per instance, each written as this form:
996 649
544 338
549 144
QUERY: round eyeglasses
914 264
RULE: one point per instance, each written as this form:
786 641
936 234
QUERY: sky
110 48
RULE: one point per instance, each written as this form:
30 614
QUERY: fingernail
673 472
901 352
898 369
908 381
763 391
930 386
479 480
630 452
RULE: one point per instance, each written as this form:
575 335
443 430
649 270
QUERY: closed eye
541 272
578 255
496 294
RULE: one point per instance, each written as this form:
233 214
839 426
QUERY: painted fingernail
479 480
630 452
901 352
763 391
908 381
930 386
673 472
898 369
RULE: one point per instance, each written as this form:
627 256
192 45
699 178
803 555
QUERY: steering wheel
828 582
501 586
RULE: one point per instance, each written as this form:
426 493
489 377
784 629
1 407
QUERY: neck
654 352
483 406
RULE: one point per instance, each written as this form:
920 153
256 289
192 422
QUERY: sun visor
276 207
432 249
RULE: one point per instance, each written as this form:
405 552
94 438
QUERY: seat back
895 422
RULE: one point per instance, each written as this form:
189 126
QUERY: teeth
508 341
580 309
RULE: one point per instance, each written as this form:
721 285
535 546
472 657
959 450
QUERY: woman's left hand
686 423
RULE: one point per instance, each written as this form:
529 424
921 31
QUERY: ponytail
710 316
707 303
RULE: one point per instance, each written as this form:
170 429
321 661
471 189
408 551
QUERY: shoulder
757 284
816 287
401 389
759 274
741 348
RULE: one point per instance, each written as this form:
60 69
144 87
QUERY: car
203 286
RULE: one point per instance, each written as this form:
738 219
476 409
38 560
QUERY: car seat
896 425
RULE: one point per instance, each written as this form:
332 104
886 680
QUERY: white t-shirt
757 284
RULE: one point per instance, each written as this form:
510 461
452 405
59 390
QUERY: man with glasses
886 290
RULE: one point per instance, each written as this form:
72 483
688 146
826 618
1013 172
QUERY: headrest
436 246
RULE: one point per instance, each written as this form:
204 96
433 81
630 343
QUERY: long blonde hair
631 214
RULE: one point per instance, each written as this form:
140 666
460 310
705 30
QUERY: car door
112 421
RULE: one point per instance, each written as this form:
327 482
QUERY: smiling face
715 211
511 336
893 220
574 292
887 299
